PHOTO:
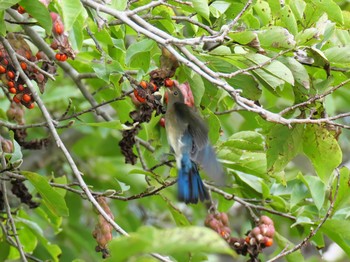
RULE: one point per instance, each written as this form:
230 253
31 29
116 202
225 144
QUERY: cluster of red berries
262 234
60 39
144 89
16 87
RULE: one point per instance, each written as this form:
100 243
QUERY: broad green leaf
283 144
244 37
53 249
275 68
4 4
276 37
339 232
168 241
322 149
299 193
178 216
331 8
119 4
201 7
5 249
247 140
104 69
263 11
71 10
289 20
40 12
140 47
53 200
298 7
299 72
317 189
338 54
307 36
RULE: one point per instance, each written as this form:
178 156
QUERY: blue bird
187 135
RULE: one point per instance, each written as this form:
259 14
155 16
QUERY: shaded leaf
171 241
54 201
40 12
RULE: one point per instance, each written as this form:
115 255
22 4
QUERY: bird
187 135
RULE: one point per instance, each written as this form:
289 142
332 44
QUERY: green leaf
298 7
243 37
282 243
322 149
317 189
214 123
40 12
289 20
71 10
299 72
201 7
244 151
331 8
339 232
263 11
283 144
276 37
338 54
104 69
53 200
140 47
168 241
2 23
4 4
343 196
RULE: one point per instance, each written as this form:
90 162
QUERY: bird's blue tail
191 188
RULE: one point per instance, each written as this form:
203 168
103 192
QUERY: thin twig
8 212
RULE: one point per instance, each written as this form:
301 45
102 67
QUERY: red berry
153 86
143 84
5 61
268 242
12 90
162 124
138 97
24 65
28 55
168 82
10 74
21 10
58 56
11 84
16 99
58 27
63 57
26 98
20 87
30 106
38 56
2 69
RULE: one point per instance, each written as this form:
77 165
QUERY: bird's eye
176 93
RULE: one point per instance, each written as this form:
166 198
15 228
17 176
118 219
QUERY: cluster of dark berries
21 191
